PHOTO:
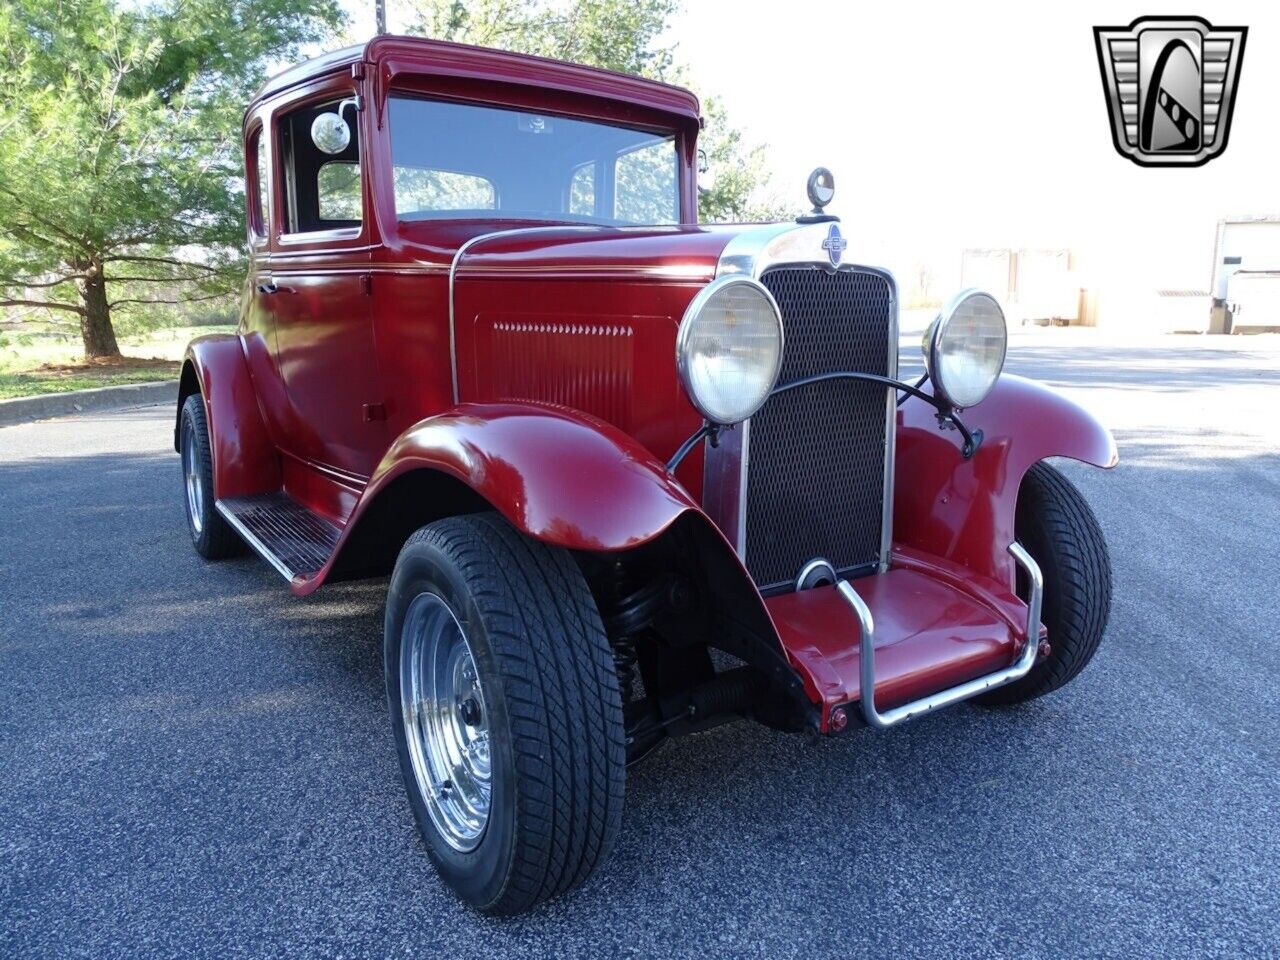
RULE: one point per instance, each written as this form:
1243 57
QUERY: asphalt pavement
193 763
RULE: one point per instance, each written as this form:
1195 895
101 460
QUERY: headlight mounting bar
946 412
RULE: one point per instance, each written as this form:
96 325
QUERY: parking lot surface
194 763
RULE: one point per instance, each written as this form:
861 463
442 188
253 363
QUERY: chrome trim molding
943 698
724 483
744 464
675 272
258 546
751 253
453 273
813 566
890 430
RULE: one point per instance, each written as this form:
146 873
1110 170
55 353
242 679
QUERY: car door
257 322
319 290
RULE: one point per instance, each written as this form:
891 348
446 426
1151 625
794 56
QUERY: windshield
459 161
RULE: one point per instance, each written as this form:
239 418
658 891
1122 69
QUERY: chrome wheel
191 470
446 722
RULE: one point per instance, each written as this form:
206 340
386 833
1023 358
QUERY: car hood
688 253
681 254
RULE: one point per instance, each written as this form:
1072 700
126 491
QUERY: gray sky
978 124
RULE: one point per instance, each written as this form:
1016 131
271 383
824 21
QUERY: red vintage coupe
631 476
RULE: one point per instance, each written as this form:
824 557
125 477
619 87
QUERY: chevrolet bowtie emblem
1170 84
835 245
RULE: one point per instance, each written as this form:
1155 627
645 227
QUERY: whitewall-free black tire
506 712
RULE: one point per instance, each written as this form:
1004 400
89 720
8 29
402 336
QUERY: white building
1246 275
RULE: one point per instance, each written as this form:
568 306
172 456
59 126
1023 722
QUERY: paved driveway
195 764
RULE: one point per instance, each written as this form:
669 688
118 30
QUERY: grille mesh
815 482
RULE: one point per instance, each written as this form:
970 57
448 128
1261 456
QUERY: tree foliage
614 34
120 176
622 35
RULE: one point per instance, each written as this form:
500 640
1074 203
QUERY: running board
881 719
296 541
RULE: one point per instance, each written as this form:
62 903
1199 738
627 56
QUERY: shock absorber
631 614
625 660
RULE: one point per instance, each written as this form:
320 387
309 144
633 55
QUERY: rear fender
963 510
244 459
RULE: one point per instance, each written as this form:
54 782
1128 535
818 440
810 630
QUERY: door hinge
366 283
375 411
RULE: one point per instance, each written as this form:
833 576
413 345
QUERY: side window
644 188
582 190
339 191
257 182
322 187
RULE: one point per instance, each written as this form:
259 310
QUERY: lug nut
1044 649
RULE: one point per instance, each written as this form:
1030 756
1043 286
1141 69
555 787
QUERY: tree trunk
95 323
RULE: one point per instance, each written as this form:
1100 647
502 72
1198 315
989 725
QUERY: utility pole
380 12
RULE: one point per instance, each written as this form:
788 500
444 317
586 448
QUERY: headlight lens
729 349
964 348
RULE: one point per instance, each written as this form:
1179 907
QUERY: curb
27 409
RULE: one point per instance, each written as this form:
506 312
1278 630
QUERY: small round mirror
821 187
330 133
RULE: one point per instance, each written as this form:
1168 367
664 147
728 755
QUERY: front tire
1056 526
505 710
210 533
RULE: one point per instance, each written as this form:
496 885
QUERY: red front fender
556 474
566 478
963 510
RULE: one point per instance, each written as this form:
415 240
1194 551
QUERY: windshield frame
549 102
602 156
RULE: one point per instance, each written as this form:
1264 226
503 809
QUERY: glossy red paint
601 310
555 473
938 624
244 458
325 350
933 636
654 254
547 384
359 320
962 511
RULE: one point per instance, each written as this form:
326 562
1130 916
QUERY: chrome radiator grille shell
816 475
811 474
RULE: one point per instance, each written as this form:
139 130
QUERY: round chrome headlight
729 349
964 348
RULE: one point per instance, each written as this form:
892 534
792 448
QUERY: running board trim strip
249 537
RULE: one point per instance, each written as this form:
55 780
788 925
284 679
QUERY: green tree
120 174
622 35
